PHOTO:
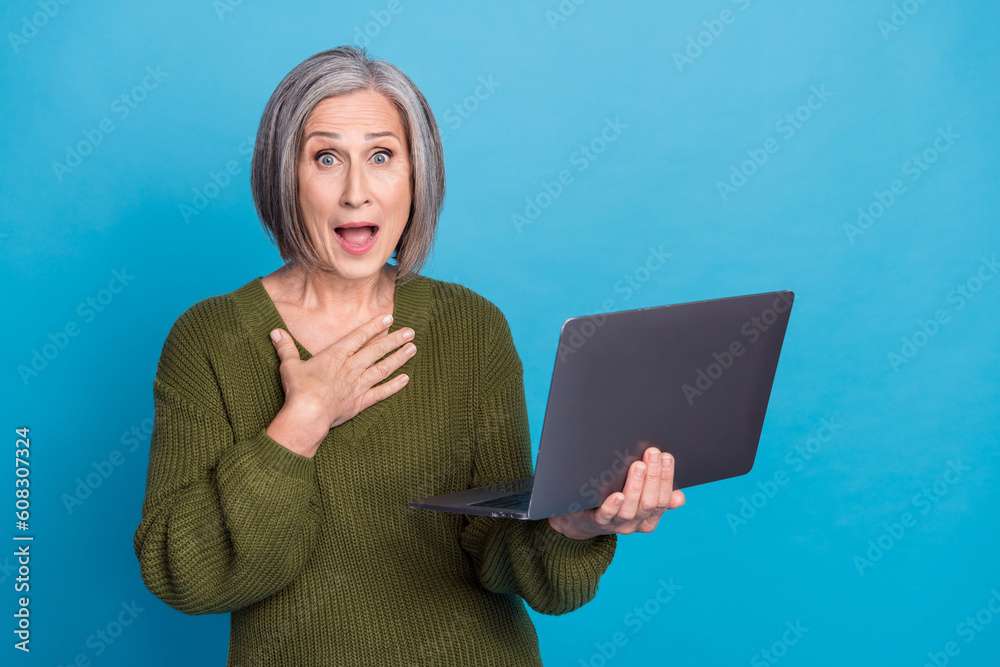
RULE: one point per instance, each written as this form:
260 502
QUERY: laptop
693 379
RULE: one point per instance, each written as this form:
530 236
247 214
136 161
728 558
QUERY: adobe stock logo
893 532
926 330
915 167
135 437
87 309
102 639
223 7
704 39
787 126
779 648
565 9
751 504
37 21
581 158
381 18
968 629
122 107
899 17
216 182
638 618
462 111
631 282
752 329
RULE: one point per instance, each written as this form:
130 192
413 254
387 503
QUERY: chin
358 269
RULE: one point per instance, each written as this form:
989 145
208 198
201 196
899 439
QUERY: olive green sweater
320 560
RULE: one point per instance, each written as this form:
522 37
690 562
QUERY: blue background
558 74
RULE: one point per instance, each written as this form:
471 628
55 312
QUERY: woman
280 470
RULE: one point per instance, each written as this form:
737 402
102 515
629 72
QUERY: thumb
283 344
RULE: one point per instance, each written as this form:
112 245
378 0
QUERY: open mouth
356 236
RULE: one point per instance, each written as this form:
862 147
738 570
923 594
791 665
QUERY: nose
356 188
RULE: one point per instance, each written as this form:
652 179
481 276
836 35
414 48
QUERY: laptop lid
693 379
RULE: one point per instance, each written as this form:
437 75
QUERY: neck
333 294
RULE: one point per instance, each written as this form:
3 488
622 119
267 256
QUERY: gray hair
274 175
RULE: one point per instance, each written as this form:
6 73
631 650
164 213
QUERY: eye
326 160
385 155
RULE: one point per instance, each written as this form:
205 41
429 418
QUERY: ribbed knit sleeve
225 522
553 573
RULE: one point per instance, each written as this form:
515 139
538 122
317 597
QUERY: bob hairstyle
274 175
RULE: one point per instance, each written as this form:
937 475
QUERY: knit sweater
320 560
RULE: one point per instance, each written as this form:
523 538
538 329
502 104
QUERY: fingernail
387 319
655 458
407 334
276 335
667 460
619 501
640 469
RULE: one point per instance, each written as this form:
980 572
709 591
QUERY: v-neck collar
411 305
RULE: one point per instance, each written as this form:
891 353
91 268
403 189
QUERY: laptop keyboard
515 501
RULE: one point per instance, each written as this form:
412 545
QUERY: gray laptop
693 379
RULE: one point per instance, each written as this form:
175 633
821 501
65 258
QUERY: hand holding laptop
648 493
697 375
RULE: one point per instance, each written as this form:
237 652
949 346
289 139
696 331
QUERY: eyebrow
339 137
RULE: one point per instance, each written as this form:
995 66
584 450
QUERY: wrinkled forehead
358 116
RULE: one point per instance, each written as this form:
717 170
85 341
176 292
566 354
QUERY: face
354 171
